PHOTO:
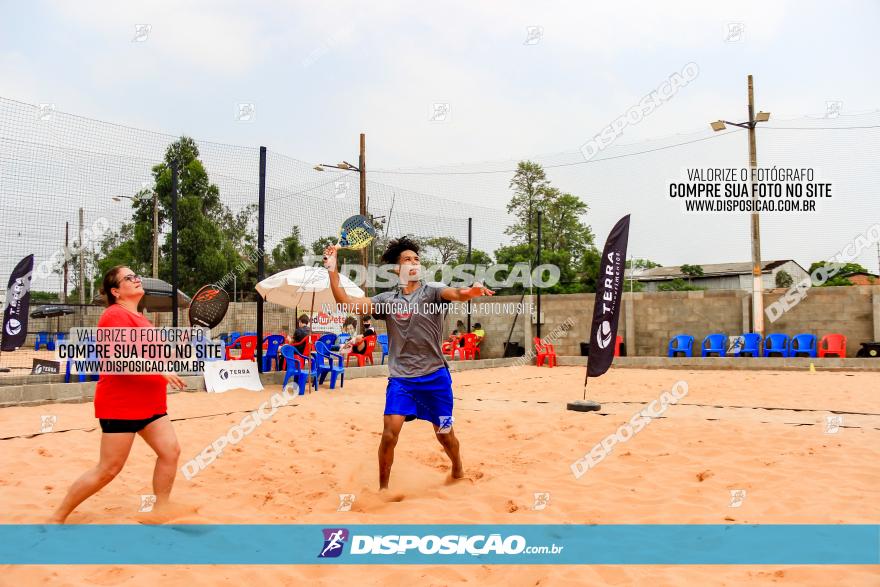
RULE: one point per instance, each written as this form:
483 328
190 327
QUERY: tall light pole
361 169
757 279
155 197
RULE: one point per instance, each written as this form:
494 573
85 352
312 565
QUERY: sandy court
517 439
21 361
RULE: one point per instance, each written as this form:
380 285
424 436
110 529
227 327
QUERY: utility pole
757 279
66 254
362 169
82 260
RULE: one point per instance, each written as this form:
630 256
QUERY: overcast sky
319 74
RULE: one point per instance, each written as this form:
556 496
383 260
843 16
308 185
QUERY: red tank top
128 397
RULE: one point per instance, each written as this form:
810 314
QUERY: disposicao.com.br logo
429 544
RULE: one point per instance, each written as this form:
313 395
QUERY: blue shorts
428 397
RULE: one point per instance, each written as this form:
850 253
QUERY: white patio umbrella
304 286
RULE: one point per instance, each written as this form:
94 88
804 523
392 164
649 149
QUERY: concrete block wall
648 319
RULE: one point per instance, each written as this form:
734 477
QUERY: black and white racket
208 306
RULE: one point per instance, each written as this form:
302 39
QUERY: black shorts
111 426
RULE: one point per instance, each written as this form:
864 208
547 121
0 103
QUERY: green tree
522 253
528 185
588 269
447 248
478 257
640 264
692 270
44 296
288 253
840 277
562 228
783 279
209 234
678 285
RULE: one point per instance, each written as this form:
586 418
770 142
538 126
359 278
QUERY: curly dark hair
396 247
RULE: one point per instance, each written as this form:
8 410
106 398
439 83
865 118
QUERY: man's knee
446 438
389 437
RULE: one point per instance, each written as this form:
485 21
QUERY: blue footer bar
441 544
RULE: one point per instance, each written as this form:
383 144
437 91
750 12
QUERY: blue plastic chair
293 370
249 334
81 376
43 338
803 345
273 343
715 343
682 343
382 339
328 339
324 365
751 345
224 336
233 336
342 339
776 344
60 336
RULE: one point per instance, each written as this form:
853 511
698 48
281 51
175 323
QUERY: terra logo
13 327
603 335
224 374
334 542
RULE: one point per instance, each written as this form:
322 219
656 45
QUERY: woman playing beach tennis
127 405
419 385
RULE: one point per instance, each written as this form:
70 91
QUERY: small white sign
222 376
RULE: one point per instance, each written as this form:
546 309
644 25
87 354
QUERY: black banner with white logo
609 297
18 300
42 367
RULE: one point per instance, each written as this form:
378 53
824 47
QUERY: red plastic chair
617 343
470 350
450 346
833 344
248 346
544 350
367 354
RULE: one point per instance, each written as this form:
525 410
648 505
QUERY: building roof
710 270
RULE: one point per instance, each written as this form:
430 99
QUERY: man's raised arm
463 294
359 306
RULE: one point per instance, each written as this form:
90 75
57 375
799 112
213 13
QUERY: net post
174 282
261 263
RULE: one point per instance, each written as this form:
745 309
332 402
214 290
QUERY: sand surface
517 439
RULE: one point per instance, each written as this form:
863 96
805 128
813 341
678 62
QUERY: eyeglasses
132 277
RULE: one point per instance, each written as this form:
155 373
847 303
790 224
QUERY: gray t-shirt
415 329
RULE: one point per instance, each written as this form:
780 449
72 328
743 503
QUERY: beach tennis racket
208 306
356 233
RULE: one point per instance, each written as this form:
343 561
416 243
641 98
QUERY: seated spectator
301 334
359 344
350 326
481 334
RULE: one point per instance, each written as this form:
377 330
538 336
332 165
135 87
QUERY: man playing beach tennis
419 384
